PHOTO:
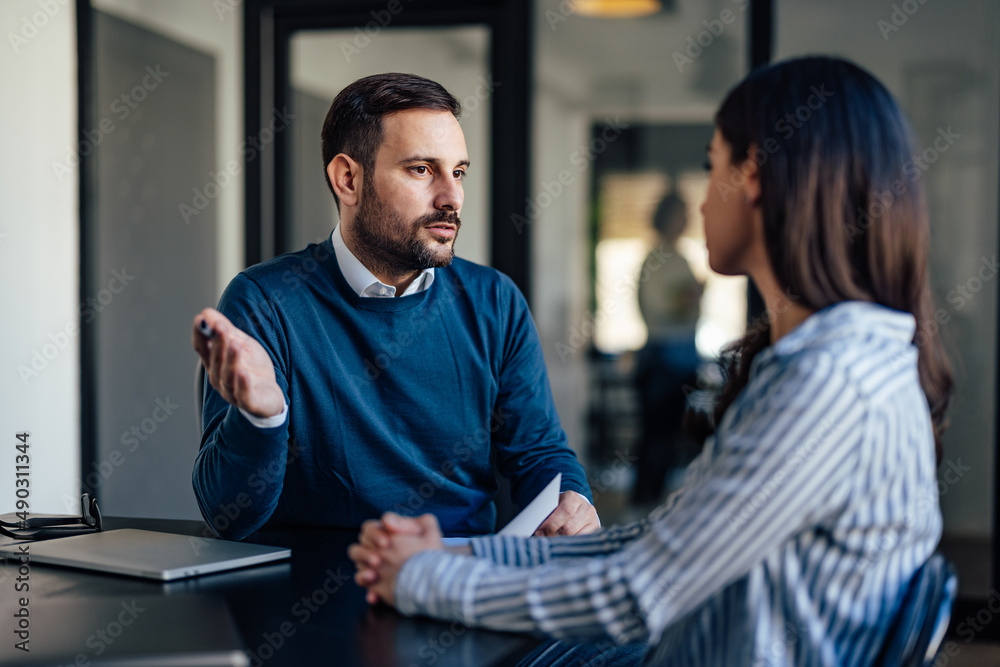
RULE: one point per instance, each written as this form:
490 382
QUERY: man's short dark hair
353 124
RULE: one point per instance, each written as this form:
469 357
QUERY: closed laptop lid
149 554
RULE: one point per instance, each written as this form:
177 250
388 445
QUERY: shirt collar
839 322
849 319
362 281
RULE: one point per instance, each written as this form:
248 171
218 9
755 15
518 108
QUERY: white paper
532 516
529 519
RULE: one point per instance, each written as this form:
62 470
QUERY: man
371 372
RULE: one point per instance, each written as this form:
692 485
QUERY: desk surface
310 607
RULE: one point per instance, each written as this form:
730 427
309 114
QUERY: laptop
146 631
149 554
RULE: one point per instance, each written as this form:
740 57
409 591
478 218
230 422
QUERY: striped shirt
792 542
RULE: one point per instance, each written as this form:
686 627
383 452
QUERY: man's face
408 216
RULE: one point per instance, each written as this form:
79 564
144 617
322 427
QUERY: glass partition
623 112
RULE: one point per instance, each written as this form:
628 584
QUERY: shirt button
383 291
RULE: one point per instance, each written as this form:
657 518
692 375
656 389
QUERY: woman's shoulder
860 347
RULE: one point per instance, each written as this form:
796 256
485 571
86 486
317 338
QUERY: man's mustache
450 217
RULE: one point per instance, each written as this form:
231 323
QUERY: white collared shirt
365 284
363 281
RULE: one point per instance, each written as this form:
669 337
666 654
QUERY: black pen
206 330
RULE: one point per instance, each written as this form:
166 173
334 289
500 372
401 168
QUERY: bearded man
374 371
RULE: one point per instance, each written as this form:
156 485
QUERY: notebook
149 554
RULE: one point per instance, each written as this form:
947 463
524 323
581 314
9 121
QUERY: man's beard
390 246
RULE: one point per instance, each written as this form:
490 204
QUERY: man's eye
459 174
420 169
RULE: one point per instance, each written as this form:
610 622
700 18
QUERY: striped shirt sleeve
532 551
781 463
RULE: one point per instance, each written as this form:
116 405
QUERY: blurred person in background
669 300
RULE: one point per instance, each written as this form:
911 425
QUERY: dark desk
306 611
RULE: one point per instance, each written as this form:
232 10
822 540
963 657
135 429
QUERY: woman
802 522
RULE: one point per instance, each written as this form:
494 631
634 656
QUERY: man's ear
346 177
751 171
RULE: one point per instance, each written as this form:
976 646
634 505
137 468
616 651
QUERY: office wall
155 97
173 149
39 242
39 269
215 28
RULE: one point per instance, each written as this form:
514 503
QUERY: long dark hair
844 214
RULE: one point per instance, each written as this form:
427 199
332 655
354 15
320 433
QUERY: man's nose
450 195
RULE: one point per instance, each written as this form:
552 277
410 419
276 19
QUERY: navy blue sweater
395 404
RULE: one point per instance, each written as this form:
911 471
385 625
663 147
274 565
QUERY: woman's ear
346 177
751 172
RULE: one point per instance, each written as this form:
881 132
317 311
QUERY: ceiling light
617 9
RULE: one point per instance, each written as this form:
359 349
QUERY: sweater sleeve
530 442
779 467
240 468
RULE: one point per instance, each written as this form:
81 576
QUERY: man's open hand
238 367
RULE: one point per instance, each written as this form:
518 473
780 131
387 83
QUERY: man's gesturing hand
238 367
573 516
